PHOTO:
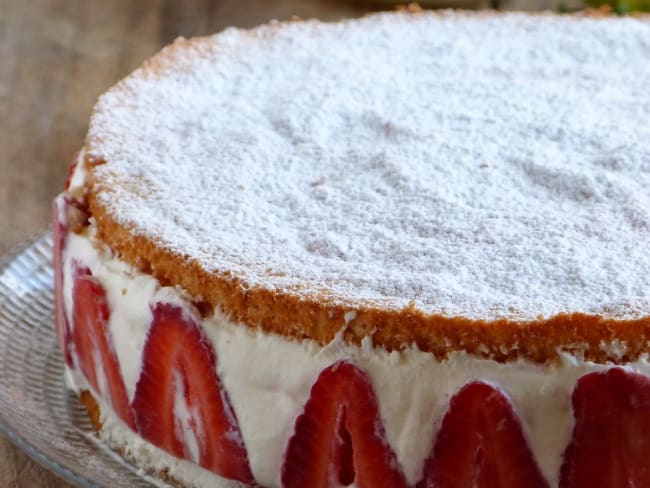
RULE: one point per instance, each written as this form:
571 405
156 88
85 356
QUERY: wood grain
56 57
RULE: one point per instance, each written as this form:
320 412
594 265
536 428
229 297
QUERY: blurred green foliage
622 6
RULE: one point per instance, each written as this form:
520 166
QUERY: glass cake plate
37 412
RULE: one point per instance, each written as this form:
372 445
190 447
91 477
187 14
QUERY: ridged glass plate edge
37 413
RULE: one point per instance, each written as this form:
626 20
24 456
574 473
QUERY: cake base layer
147 457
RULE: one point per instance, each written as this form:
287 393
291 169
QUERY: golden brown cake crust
288 313
294 316
88 401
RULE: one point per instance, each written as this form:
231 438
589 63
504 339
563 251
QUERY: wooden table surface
56 57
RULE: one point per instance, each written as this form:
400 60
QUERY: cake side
270 380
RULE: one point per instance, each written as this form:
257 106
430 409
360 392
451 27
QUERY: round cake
404 250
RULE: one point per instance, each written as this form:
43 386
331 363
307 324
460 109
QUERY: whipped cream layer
268 377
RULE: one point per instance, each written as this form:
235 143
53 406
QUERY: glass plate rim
5 426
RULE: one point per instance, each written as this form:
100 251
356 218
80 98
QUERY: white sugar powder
486 166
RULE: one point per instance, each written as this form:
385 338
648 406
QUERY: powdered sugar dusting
485 166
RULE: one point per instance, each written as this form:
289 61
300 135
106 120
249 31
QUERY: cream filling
268 377
184 417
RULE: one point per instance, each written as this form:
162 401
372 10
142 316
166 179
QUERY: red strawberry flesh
611 435
59 238
481 444
93 344
339 438
71 170
69 213
179 363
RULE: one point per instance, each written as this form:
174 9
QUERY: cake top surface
486 166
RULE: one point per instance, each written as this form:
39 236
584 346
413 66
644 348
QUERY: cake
403 250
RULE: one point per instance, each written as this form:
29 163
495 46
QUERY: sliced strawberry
180 405
611 436
339 438
481 444
70 213
71 169
93 343
59 237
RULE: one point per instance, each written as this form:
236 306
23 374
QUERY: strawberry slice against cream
59 236
611 437
180 405
339 438
69 212
481 444
93 344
